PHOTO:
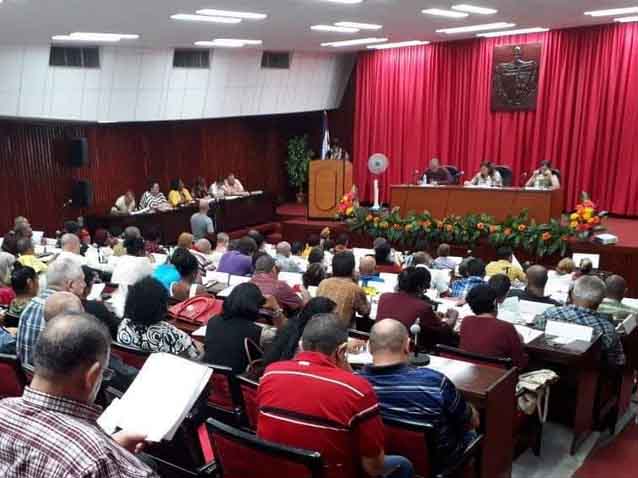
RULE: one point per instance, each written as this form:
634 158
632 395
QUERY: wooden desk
442 201
491 390
228 214
572 398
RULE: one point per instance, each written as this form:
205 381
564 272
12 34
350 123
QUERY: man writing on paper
51 431
233 187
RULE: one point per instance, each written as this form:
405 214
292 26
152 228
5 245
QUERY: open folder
159 398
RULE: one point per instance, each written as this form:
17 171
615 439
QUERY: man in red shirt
315 402
266 279
485 334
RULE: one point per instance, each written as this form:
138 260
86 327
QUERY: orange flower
480 226
507 231
596 219
546 236
522 227
369 218
426 224
449 228
439 224
397 227
494 229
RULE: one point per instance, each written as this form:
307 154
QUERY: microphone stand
417 359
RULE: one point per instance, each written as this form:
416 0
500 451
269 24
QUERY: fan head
378 163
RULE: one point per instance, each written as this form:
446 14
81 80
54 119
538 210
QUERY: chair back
506 175
454 172
240 454
479 359
11 320
224 396
248 390
130 355
409 439
12 379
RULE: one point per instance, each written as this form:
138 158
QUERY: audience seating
225 401
130 355
12 379
412 440
271 232
528 429
248 389
239 454
506 175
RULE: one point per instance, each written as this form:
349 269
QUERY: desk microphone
416 176
417 359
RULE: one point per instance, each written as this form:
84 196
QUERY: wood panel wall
35 179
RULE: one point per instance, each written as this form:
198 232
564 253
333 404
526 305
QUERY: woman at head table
544 177
486 177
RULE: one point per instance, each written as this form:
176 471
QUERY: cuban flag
325 137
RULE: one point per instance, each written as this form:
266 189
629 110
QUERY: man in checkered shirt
51 431
587 295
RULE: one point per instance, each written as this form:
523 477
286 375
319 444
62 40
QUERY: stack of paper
221 277
569 332
226 292
528 334
628 325
291 278
529 310
236 280
159 398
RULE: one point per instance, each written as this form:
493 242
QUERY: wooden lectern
328 181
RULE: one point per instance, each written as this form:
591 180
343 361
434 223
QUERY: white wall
142 85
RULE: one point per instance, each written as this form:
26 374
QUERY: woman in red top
484 334
6 264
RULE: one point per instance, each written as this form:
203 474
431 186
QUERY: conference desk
227 214
441 201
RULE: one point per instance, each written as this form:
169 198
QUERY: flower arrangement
347 205
586 219
516 231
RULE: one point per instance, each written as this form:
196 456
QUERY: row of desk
227 214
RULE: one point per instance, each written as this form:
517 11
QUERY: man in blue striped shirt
419 395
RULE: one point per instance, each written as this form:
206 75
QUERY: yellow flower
574 217
349 211
573 224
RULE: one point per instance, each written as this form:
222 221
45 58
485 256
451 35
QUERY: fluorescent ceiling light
228 13
95 37
444 13
360 26
521 31
344 1
474 9
358 41
612 11
228 42
332 28
476 28
626 19
400 44
188 17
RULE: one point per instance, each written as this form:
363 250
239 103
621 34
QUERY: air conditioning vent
75 57
191 59
276 59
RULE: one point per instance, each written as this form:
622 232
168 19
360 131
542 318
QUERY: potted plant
299 156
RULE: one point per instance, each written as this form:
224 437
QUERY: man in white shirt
221 248
233 187
125 204
133 266
70 244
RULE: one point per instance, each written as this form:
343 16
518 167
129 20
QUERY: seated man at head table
154 199
179 195
615 293
52 431
418 394
586 296
436 174
233 187
544 177
125 204
487 177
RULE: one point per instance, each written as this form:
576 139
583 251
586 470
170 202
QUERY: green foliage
299 155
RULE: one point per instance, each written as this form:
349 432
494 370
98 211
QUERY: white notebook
159 398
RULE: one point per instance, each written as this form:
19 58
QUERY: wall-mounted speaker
82 194
79 153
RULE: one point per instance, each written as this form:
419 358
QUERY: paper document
141 211
96 291
236 280
201 332
213 276
630 302
159 398
628 325
594 258
567 330
362 358
226 292
529 310
37 237
389 278
312 290
291 278
527 333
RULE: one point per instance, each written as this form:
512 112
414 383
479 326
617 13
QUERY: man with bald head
284 259
201 223
368 270
52 431
130 232
62 303
71 246
420 395
612 305
535 289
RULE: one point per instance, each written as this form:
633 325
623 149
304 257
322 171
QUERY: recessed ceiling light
439 12
626 19
400 44
228 13
332 28
188 17
474 9
358 41
228 42
344 1
360 26
95 37
612 11
521 31
476 28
